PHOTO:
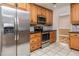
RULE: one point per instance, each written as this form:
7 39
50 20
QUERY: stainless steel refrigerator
14 31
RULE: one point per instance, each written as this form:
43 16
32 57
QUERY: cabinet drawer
35 35
74 34
33 40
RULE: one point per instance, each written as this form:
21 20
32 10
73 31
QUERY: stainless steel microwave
41 20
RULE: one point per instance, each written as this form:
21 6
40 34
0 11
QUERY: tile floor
55 50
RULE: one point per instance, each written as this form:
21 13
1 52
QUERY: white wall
60 12
64 22
57 12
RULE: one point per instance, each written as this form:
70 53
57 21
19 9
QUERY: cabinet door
28 7
43 12
74 42
39 10
75 13
13 4
50 17
47 17
22 6
52 37
33 14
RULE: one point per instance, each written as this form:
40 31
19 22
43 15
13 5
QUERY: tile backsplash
31 28
44 28
75 28
47 28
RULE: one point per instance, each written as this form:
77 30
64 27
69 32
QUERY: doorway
63 29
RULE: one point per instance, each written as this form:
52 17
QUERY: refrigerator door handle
18 37
15 37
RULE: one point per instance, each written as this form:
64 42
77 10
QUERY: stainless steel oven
45 39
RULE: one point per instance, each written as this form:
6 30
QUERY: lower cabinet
52 36
74 41
35 41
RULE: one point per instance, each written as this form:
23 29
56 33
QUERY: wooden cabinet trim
9 5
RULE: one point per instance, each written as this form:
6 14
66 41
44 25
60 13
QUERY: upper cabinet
33 15
39 10
28 7
22 6
35 11
49 17
43 12
75 13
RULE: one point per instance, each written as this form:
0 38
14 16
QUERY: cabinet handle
32 41
75 35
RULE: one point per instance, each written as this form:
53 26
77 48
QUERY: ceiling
51 5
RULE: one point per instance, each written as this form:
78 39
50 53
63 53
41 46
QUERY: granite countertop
42 32
34 32
73 32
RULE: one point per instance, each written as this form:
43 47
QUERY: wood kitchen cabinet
35 11
43 12
74 40
35 41
39 10
75 13
49 17
52 36
33 15
28 7
22 6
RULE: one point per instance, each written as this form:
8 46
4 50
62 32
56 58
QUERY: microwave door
41 20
